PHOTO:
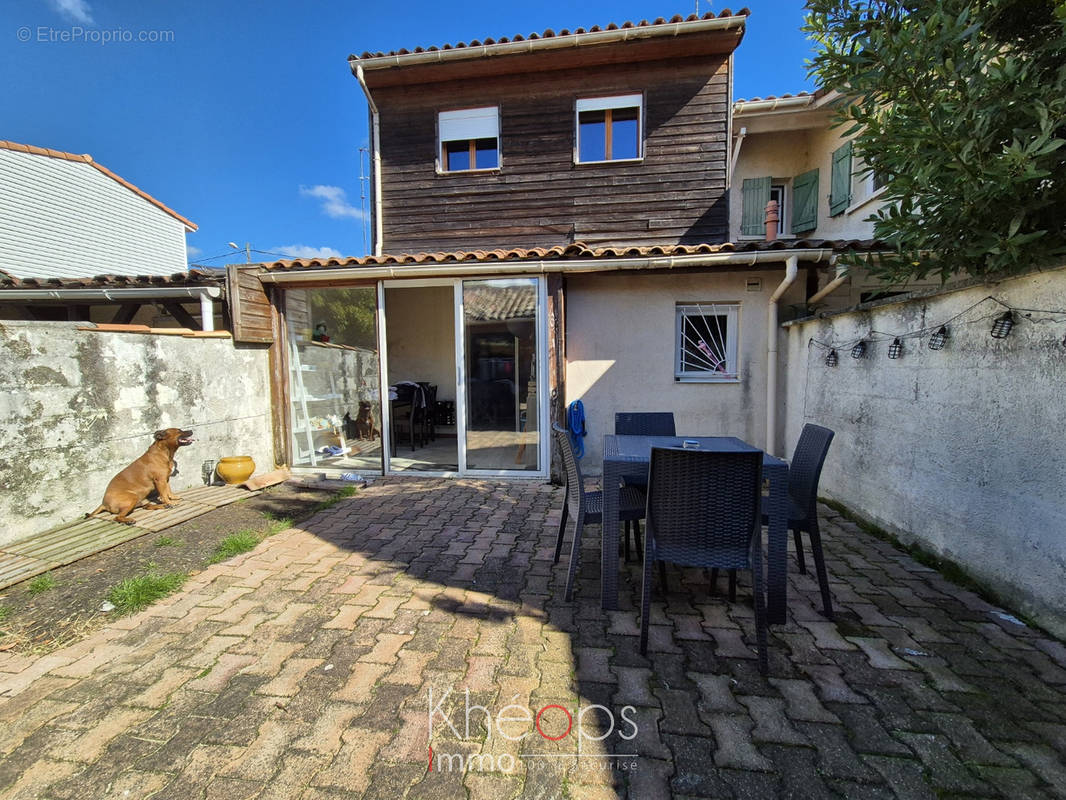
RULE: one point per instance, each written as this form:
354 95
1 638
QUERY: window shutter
756 194
840 190
805 202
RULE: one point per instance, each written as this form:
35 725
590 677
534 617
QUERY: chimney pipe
773 216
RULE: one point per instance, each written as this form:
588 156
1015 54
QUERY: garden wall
962 450
77 406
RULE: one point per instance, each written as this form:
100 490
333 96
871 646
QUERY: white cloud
193 251
306 251
76 10
334 201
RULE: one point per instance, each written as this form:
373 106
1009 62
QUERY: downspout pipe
791 271
375 126
832 286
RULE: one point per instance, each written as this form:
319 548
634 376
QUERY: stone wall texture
77 406
961 450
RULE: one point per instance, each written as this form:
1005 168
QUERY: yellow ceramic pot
235 469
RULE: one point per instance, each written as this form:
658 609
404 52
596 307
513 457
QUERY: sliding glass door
501 380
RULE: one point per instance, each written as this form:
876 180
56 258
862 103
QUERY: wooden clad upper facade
538 192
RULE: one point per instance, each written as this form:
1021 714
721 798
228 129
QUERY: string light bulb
895 350
859 350
939 339
1002 326
831 359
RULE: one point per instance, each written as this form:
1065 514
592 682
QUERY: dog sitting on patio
131 487
364 422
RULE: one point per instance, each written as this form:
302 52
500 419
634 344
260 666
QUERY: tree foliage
960 106
349 315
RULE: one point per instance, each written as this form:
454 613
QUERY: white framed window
706 342
469 139
865 183
609 129
778 192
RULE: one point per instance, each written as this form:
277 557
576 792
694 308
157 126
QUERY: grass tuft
278 525
133 594
5 612
340 494
41 584
168 541
235 544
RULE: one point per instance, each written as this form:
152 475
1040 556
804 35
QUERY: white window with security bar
609 129
469 139
706 347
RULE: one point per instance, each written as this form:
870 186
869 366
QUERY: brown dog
131 487
364 422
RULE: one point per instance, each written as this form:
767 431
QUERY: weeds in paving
278 525
340 494
168 541
41 584
235 544
133 594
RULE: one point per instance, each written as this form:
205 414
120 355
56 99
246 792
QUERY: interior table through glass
625 455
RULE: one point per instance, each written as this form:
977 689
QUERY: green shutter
805 202
756 196
840 190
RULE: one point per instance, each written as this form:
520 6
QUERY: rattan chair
804 472
641 423
703 511
644 423
586 507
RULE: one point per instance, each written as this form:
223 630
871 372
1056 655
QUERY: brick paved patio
303 670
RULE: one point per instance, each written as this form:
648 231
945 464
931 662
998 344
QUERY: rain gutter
548 43
456 269
791 270
375 124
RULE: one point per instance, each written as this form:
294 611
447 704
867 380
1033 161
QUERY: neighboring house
79 242
587 170
791 150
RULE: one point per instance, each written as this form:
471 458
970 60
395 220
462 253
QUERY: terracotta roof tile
578 250
88 159
194 277
551 34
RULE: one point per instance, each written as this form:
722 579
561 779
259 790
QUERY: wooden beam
279 379
181 315
125 313
556 364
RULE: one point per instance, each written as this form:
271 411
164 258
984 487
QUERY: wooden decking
66 543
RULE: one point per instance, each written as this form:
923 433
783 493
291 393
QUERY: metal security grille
706 346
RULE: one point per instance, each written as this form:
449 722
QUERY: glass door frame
543 411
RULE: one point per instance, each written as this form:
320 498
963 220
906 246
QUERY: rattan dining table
629 455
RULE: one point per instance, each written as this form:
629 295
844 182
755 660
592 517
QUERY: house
79 242
583 176
789 149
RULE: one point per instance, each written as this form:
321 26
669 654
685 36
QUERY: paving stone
832 687
735 749
690 755
771 723
945 769
904 775
866 733
836 757
1042 760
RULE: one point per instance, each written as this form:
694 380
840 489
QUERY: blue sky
248 120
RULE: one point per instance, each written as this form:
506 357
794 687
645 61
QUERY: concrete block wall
961 450
78 406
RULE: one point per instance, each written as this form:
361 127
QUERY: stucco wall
78 406
961 449
620 341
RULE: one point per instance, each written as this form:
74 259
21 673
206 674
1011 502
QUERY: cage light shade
1002 326
895 350
831 359
939 339
859 350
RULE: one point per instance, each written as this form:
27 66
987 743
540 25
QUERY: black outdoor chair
803 475
426 416
641 423
703 511
406 412
586 507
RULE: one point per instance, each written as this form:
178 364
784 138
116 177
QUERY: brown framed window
469 139
609 129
